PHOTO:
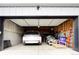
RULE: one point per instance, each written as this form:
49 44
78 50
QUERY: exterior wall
76 34
1 34
12 32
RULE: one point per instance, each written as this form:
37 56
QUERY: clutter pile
50 40
57 43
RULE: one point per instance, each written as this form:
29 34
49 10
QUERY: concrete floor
43 49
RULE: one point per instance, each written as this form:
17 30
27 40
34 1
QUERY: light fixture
38 24
52 29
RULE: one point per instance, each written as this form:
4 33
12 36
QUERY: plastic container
62 40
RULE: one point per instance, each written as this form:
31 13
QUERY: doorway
45 17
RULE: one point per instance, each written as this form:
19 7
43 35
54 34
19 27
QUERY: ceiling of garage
38 22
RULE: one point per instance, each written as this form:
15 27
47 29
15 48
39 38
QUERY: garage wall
12 32
66 28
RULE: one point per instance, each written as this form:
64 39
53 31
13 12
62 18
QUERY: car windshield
32 33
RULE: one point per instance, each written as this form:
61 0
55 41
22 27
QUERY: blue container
62 40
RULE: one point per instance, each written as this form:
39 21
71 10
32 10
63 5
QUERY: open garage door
16 27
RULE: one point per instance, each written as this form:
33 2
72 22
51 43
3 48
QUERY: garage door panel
16 11
43 11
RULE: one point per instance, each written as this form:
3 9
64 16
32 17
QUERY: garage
57 29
